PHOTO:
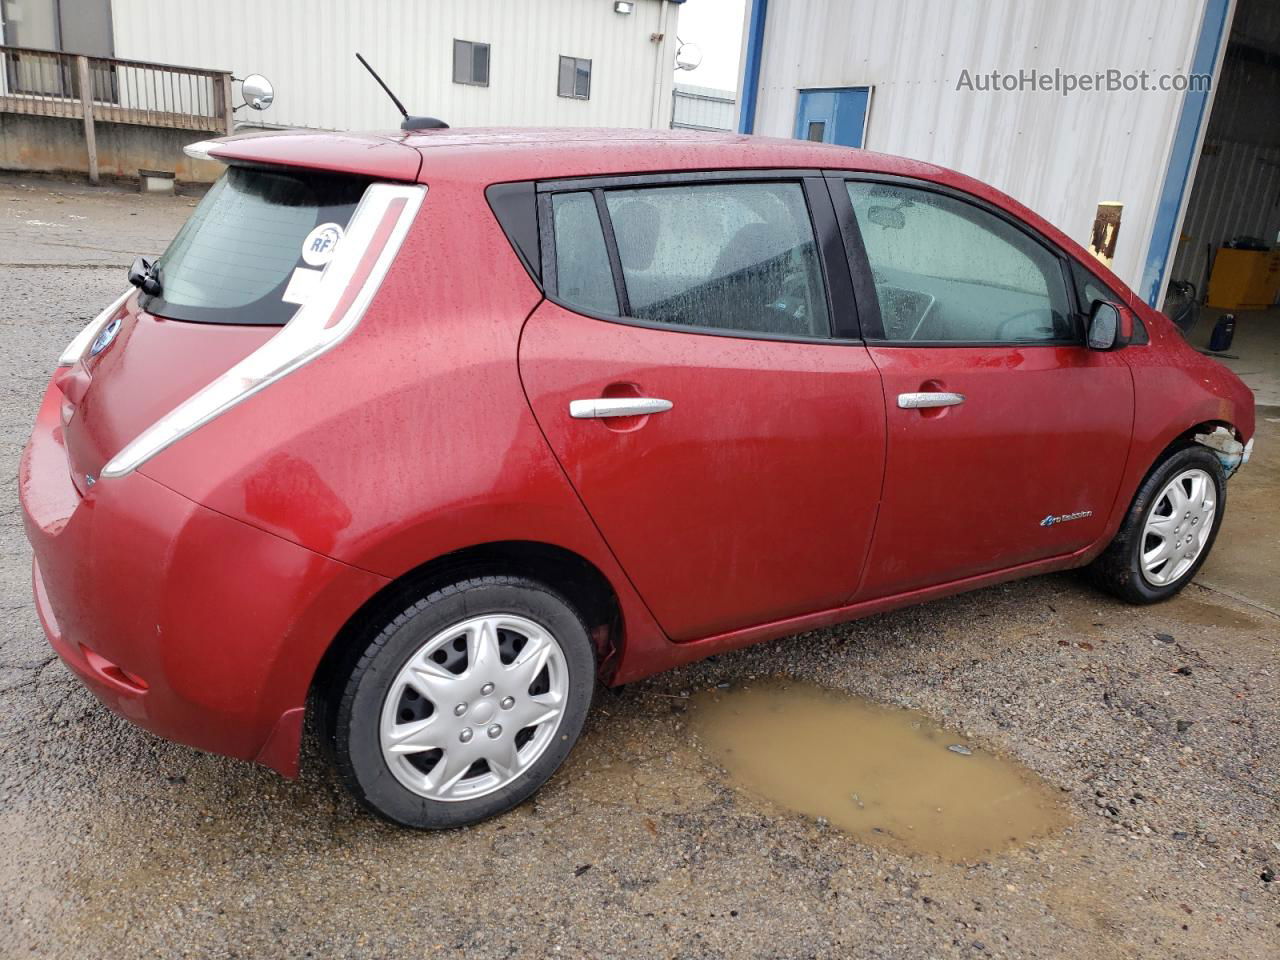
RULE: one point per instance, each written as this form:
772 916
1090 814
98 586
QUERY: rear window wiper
143 276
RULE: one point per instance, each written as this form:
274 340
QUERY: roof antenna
408 123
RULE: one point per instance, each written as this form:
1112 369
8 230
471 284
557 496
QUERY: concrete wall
56 145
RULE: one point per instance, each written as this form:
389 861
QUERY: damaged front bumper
1231 453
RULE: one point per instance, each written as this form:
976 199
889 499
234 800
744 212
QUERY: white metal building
468 62
696 107
913 77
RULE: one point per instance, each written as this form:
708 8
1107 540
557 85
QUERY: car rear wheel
465 703
1169 530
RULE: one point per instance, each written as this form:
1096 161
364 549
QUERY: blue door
833 116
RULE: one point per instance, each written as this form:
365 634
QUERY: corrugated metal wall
1060 155
1237 193
307 49
702 108
1237 187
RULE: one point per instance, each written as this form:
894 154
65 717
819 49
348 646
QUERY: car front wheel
1169 529
465 703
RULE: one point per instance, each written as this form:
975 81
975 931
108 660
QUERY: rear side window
947 270
254 246
582 262
724 256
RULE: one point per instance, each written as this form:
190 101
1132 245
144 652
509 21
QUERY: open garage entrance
1227 258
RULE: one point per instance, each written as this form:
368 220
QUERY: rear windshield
254 247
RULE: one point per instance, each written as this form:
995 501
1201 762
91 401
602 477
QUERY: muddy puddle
889 776
1202 614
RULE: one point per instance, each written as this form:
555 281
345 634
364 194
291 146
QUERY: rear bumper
198 627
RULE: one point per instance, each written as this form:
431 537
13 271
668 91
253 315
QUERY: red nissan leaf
429 432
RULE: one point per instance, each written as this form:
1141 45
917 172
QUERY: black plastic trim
611 182
842 308
957 344
620 295
871 326
515 205
1139 339
547 243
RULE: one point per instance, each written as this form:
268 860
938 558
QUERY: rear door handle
919 401
617 407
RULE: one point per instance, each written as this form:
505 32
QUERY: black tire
1118 570
359 701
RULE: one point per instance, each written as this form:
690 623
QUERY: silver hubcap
474 707
1178 527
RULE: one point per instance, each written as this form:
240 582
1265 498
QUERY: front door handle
920 401
617 407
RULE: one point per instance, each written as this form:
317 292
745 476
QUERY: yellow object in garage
1244 279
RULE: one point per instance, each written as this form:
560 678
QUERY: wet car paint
416 439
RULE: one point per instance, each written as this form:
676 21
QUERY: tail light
77 348
350 280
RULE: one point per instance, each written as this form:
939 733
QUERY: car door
1007 436
684 370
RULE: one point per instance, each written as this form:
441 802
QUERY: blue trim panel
751 67
1182 153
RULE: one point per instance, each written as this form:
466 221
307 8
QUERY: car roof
487 155
529 154
498 154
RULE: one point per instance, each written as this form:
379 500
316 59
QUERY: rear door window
254 247
732 257
582 261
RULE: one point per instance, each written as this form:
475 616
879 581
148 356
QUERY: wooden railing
50 83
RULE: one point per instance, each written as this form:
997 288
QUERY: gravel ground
1164 749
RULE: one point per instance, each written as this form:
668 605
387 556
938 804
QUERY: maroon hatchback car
431 431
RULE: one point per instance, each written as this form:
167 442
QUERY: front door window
949 271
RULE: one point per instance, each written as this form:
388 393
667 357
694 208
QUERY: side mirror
142 275
1110 327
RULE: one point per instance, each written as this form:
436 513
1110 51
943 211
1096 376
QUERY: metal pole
86 106
662 63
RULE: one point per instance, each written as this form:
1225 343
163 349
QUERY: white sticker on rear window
321 243
301 285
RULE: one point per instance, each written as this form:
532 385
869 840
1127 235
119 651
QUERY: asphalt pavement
1158 727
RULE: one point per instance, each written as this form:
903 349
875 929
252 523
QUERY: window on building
80 27
471 63
83 27
575 78
947 270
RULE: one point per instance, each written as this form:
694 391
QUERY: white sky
715 26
